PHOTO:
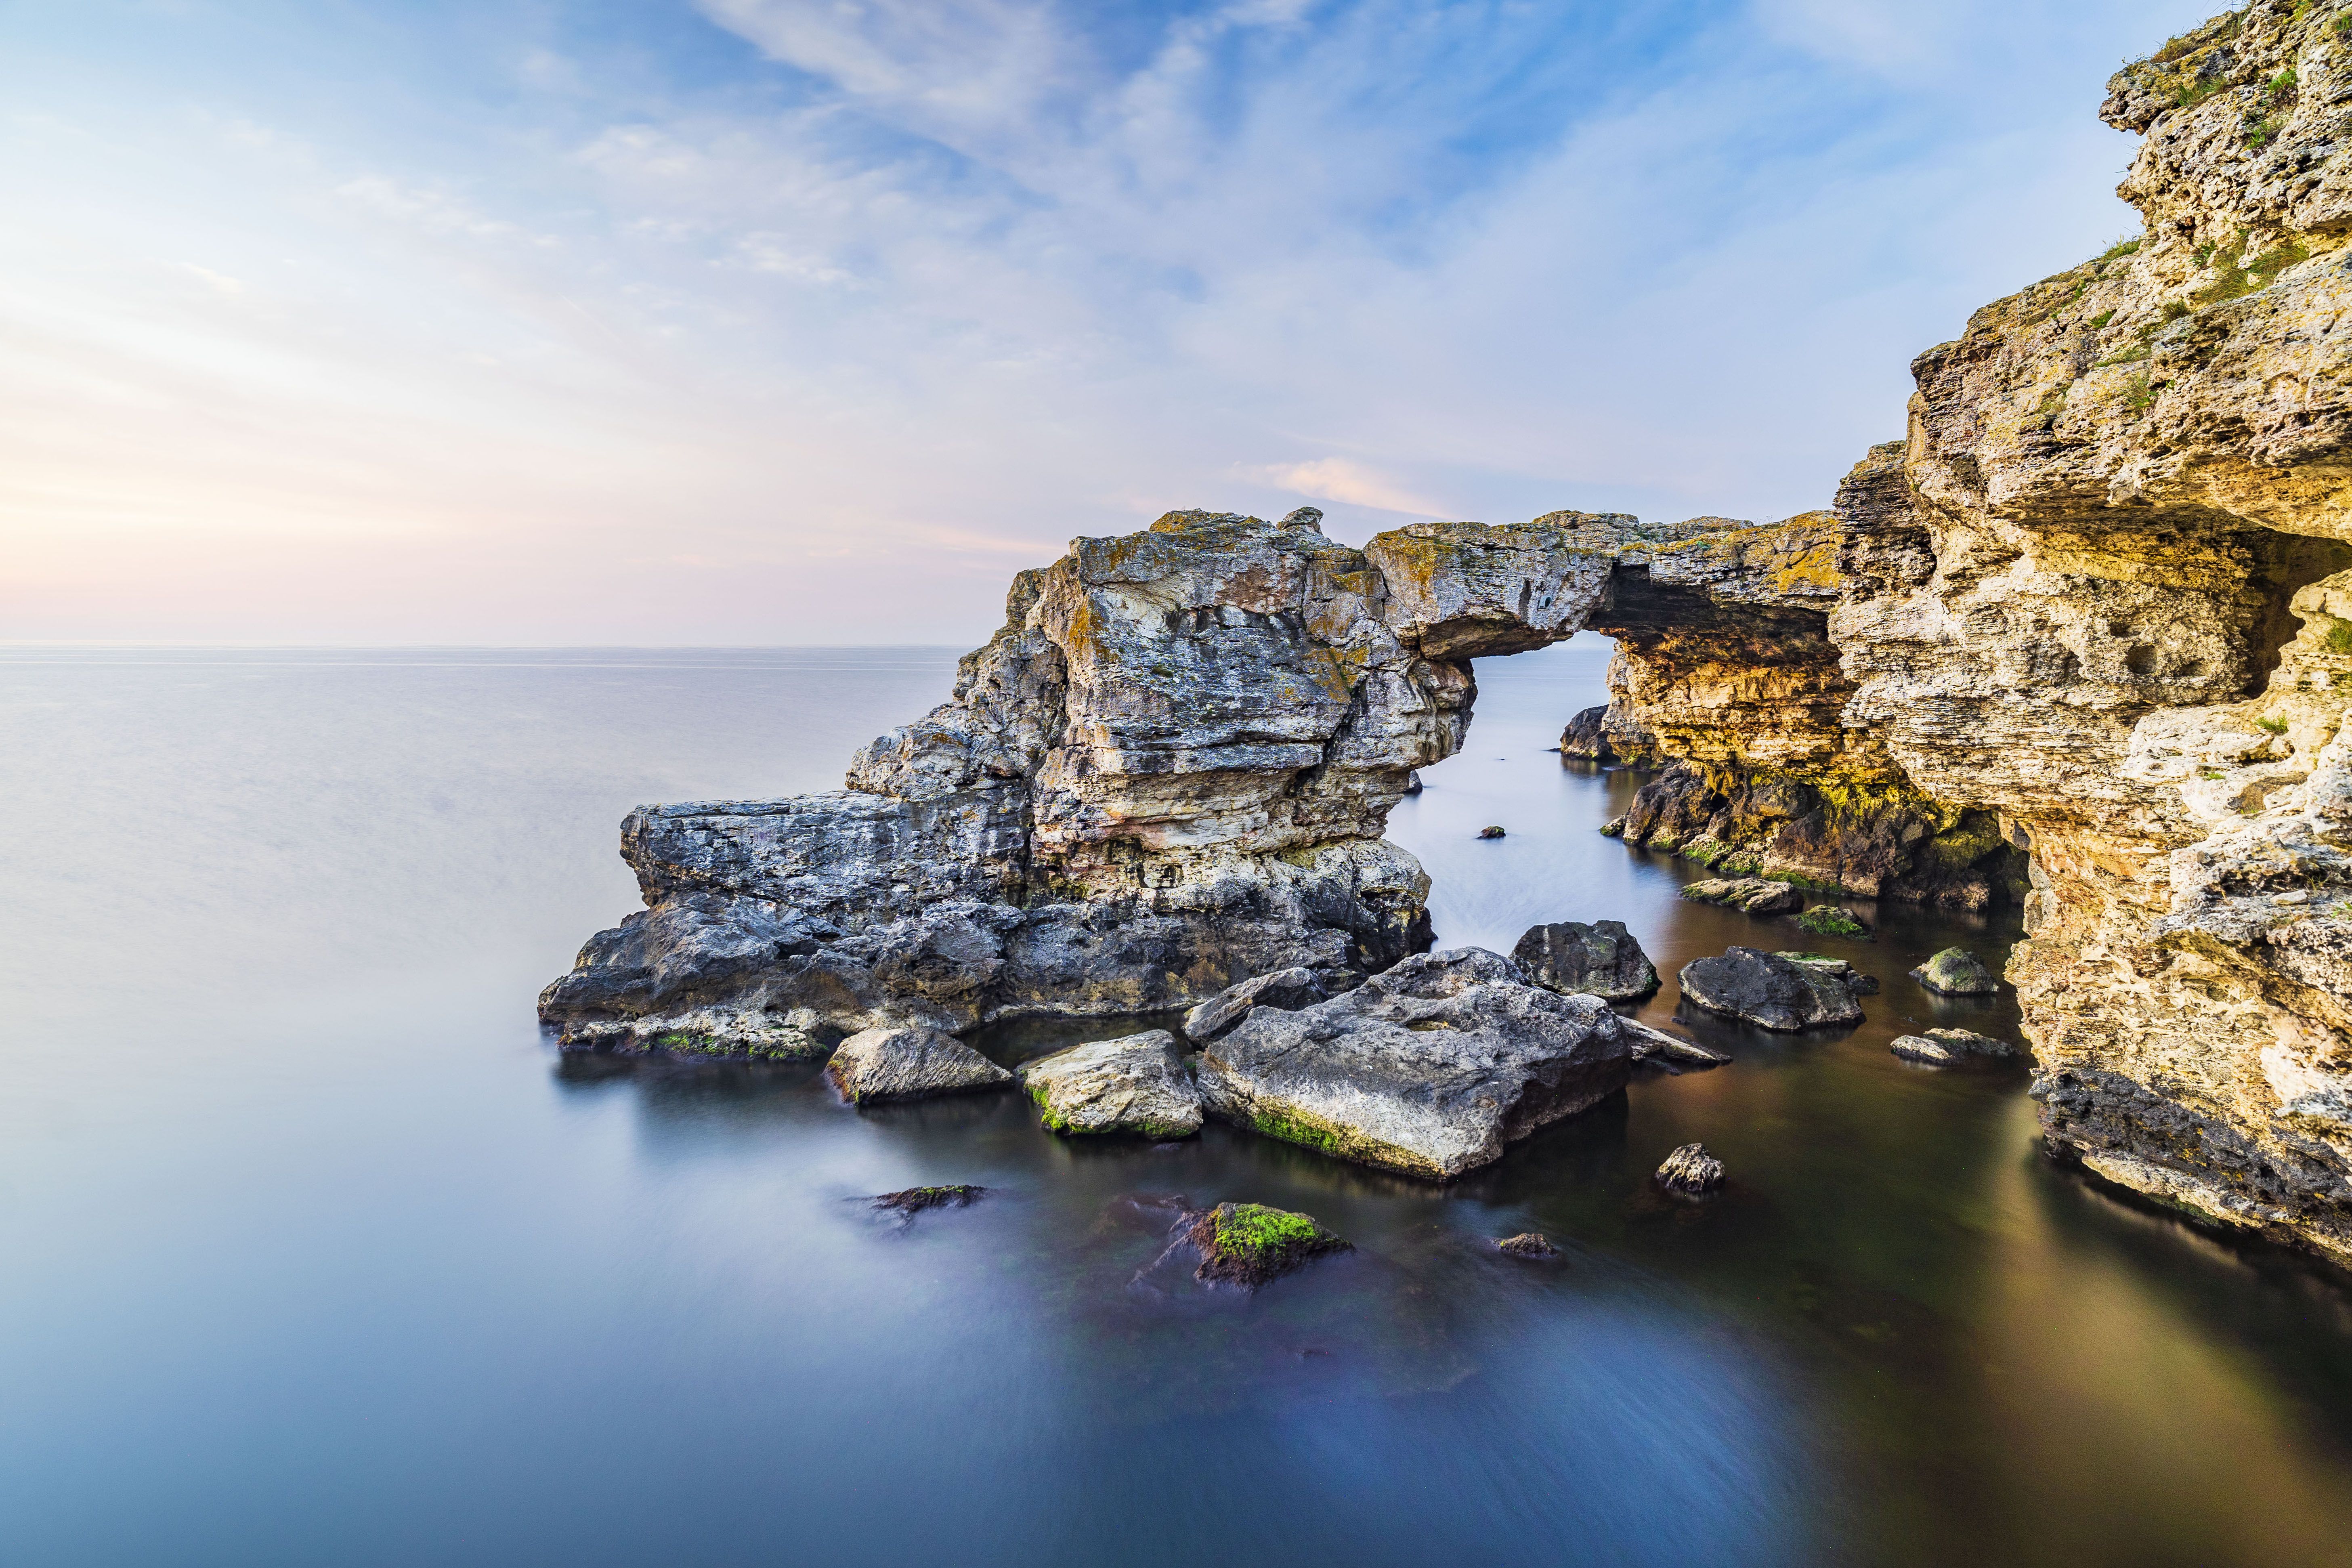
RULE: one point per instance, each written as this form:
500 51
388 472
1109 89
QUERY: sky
810 321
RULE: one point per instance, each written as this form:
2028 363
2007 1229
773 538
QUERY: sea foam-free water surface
311 1250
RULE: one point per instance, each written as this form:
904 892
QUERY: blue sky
758 321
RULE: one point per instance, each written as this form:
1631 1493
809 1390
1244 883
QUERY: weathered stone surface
1749 895
1691 1171
1949 1048
1602 959
1527 1244
1288 989
1136 1084
1656 1045
1770 991
1250 1244
1957 971
1845 973
908 1064
1431 1068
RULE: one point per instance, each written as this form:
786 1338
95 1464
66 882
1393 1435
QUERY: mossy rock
1828 920
1249 1244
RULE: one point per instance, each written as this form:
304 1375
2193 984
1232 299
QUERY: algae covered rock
1828 920
1597 960
1691 1170
1431 1068
1136 1084
1250 1244
882 1064
1288 989
1748 895
1957 971
1770 991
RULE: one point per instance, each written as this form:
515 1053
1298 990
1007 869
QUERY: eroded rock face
1168 773
1428 1069
1135 1084
1289 989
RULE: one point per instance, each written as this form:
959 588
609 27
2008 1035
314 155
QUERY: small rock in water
915 1200
1249 1244
1597 959
1748 895
1946 1047
1135 1084
1692 1170
1490 831
1287 989
1828 920
1957 971
1770 991
908 1064
1527 1244
1412 783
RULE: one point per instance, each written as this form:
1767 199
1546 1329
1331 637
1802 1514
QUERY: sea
314 1250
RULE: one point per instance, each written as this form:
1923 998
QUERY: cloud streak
777 321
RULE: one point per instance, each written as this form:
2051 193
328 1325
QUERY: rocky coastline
2078 643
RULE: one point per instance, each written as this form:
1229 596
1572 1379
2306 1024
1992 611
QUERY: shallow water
314 1252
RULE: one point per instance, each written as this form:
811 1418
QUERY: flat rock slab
1656 1045
1249 1244
1599 959
1957 971
1749 895
885 1064
1949 1048
1430 1069
1770 991
1288 989
1136 1084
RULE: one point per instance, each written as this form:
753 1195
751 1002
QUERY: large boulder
886 1063
1289 989
1597 959
1430 1069
1748 895
1957 971
1135 1084
1770 991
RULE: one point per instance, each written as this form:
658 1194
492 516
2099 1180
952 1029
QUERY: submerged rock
1956 971
1597 959
1828 920
1527 1244
1135 1084
1250 1244
908 1064
1947 1048
1770 991
1430 1069
915 1200
1691 1170
1748 895
1288 989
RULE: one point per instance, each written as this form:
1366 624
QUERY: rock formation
1134 1085
1600 959
1770 991
1428 1069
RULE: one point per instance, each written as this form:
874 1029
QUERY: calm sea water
312 1252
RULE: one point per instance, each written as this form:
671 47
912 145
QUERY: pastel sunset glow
756 322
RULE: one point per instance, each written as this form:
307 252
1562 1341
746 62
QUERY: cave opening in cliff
2284 564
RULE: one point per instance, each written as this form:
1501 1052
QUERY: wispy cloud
782 319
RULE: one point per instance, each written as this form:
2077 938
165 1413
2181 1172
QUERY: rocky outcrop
1428 1069
1600 959
1607 734
1136 1084
1770 991
882 1064
1170 771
